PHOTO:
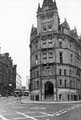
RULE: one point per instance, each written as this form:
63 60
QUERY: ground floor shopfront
62 96
49 92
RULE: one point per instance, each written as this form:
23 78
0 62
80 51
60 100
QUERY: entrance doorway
49 90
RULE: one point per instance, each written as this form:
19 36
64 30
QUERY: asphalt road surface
11 109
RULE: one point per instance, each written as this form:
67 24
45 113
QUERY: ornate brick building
7 75
55 57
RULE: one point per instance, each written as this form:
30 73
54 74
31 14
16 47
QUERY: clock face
47 24
50 26
47 27
46 8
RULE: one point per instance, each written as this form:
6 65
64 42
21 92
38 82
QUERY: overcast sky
16 19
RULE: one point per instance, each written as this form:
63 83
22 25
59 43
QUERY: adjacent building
55 57
27 82
7 75
18 82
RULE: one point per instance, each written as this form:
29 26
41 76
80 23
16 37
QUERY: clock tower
47 17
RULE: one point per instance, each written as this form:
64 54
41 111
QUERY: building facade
27 82
7 75
55 57
18 82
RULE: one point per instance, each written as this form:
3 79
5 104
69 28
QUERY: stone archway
49 90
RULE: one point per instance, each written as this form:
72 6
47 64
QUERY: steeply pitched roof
38 8
55 5
65 24
33 30
49 3
46 2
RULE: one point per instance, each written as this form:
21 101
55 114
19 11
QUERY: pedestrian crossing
17 111
34 115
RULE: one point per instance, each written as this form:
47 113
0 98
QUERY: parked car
26 93
16 92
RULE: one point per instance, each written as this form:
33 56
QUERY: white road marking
36 108
19 118
59 113
35 112
67 110
40 116
27 116
3 118
47 114
18 107
2 111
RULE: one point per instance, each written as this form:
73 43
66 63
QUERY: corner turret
39 9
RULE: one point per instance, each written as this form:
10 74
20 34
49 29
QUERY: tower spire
38 7
50 3
47 3
55 5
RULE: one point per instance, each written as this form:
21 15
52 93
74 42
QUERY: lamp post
10 86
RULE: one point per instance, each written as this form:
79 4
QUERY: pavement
11 109
26 100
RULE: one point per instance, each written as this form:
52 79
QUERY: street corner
76 115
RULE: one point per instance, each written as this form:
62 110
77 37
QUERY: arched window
60 44
49 89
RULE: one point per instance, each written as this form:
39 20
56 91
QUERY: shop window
68 97
60 96
71 97
37 97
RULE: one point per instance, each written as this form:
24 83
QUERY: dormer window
50 41
60 44
44 28
36 59
49 26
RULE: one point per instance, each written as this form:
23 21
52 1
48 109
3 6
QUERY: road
10 109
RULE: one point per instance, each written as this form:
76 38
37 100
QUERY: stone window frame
60 82
60 44
60 72
65 83
65 72
61 57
